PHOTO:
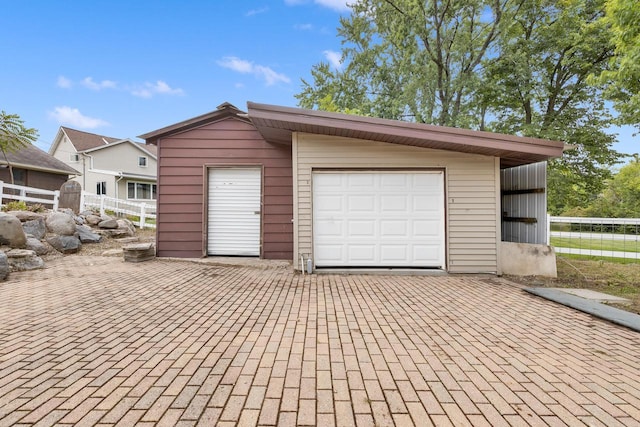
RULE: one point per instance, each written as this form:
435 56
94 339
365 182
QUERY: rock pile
26 236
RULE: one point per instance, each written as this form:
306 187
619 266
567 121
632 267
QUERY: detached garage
339 190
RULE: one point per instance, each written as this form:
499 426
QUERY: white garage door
234 211
378 219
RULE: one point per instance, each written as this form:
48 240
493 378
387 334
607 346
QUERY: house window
19 176
142 162
74 158
101 187
141 191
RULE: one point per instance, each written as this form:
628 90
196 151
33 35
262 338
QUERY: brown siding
181 199
36 179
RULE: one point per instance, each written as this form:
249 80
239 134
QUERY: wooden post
56 200
1 193
102 204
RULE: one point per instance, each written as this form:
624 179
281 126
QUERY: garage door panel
332 253
362 203
390 219
234 202
394 203
332 228
366 228
362 253
427 228
394 228
359 180
394 254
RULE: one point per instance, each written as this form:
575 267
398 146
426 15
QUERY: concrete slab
593 307
593 295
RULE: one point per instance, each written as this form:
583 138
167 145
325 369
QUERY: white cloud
246 67
303 27
147 90
73 117
334 58
236 64
105 84
337 5
64 82
253 12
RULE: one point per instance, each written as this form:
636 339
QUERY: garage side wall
471 188
183 159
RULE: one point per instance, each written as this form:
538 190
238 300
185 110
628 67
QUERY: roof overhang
18 165
276 124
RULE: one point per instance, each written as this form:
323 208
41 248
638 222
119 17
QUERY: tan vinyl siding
471 190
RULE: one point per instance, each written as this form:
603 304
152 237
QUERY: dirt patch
611 278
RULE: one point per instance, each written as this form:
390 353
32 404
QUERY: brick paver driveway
95 341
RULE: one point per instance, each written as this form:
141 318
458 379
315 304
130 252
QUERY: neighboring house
119 168
339 190
33 167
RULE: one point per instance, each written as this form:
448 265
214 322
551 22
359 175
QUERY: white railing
146 213
27 194
600 237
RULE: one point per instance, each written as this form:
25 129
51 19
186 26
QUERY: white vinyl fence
47 198
598 237
146 213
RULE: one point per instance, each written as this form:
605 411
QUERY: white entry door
234 211
379 219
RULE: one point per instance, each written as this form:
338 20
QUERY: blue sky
124 68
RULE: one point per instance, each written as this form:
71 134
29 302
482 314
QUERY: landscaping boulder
26 215
37 246
23 259
4 266
61 224
11 232
65 244
108 224
92 219
36 227
86 235
128 225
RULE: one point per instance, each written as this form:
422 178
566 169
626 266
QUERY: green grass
600 258
596 244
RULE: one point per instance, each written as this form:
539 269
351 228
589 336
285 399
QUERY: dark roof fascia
224 111
284 120
42 169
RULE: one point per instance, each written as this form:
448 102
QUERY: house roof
223 111
83 141
151 150
277 123
33 158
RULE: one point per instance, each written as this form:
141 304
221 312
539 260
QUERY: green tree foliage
409 59
14 136
621 196
537 86
622 80
512 66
